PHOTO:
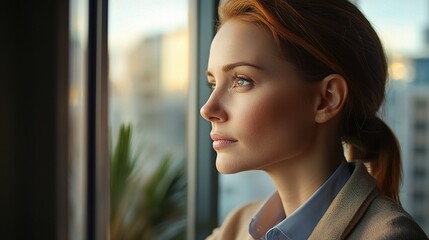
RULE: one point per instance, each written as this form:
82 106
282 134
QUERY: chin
230 166
225 168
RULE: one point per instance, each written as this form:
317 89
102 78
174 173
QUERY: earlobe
333 94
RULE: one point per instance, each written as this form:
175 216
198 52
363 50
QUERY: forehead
239 41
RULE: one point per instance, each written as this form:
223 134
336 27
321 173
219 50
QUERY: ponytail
373 142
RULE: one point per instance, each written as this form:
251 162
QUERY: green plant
145 206
121 167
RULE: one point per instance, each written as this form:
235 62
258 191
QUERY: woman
296 83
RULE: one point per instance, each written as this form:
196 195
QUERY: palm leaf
122 165
146 208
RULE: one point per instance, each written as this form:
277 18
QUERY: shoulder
236 224
385 219
360 211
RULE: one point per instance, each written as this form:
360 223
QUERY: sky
130 20
400 23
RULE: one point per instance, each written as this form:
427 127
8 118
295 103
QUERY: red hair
333 36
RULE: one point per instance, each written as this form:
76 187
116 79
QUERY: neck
297 179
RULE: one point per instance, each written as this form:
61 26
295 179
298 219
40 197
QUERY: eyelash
211 85
236 78
239 78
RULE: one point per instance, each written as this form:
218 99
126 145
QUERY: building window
420 103
419 173
420 150
420 126
419 196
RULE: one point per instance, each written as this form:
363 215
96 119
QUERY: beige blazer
359 211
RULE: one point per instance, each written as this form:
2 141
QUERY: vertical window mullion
203 207
98 164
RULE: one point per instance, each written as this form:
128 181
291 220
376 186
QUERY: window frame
202 175
98 164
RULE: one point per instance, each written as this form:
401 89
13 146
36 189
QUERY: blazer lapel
348 206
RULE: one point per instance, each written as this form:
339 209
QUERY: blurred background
117 148
148 91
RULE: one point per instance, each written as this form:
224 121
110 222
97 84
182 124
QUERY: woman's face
261 112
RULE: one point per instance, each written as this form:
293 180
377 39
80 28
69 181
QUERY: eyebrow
231 66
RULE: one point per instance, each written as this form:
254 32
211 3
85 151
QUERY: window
56 133
420 150
149 53
419 197
419 173
158 53
420 126
421 104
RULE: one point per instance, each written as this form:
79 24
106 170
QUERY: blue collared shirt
270 223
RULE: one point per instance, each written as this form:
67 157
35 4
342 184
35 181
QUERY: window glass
77 118
148 87
404 30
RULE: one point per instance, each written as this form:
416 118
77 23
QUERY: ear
333 94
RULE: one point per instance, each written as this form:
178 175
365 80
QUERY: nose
213 110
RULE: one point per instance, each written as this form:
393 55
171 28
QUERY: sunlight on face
261 112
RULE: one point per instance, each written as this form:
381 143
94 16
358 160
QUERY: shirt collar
271 223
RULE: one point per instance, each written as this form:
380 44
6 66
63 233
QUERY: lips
221 141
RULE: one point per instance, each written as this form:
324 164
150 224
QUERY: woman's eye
241 82
212 86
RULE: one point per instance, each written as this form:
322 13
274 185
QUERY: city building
407 113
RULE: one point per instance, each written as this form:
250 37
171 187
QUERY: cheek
278 126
